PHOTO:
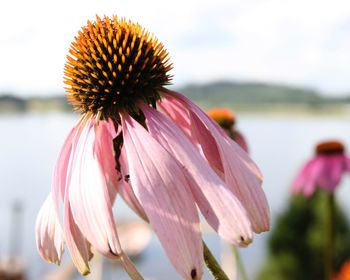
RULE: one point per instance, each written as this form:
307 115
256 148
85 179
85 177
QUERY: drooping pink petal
240 172
177 112
306 180
158 181
61 169
105 155
89 197
125 190
333 168
240 140
48 232
78 246
218 205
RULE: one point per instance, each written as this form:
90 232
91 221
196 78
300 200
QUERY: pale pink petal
77 245
106 156
208 148
90 199
125 190
240 140
240 173
48 232
62 169
177 112
218 205
158 181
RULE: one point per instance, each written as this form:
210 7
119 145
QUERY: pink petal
240 140
48 231
299 183
62 169
218 205
89 197
306 180
240 172
177 112
125 190
106 156
159 184
77 245
332 171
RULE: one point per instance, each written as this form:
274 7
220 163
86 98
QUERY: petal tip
85 271
244 241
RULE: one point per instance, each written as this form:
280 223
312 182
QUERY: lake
29 144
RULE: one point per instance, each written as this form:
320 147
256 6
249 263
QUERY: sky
301 43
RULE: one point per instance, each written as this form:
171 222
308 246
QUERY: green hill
237 95
239 92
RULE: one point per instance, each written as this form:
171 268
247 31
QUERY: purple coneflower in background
324 170
152 146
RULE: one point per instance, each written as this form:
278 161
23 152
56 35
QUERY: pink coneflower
324 170
165 163
227 120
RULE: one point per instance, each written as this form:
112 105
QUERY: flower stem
213 265
240 265
130 267
330 236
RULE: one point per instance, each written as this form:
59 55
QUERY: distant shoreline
249 97
296 110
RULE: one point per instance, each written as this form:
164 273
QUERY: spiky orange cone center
113 65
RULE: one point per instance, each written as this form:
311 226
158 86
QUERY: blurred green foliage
296 244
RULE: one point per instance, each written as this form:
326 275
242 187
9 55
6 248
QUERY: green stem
130 267
213 265
330 236
240 265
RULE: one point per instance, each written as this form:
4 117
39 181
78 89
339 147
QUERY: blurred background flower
227 120
325 170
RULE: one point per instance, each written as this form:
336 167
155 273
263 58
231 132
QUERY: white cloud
299 42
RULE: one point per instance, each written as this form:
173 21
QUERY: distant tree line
222 93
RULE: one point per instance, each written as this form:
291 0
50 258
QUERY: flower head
113 65
165 164
227 120
324 170
224 117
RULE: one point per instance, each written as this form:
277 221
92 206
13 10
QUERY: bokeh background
282 66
